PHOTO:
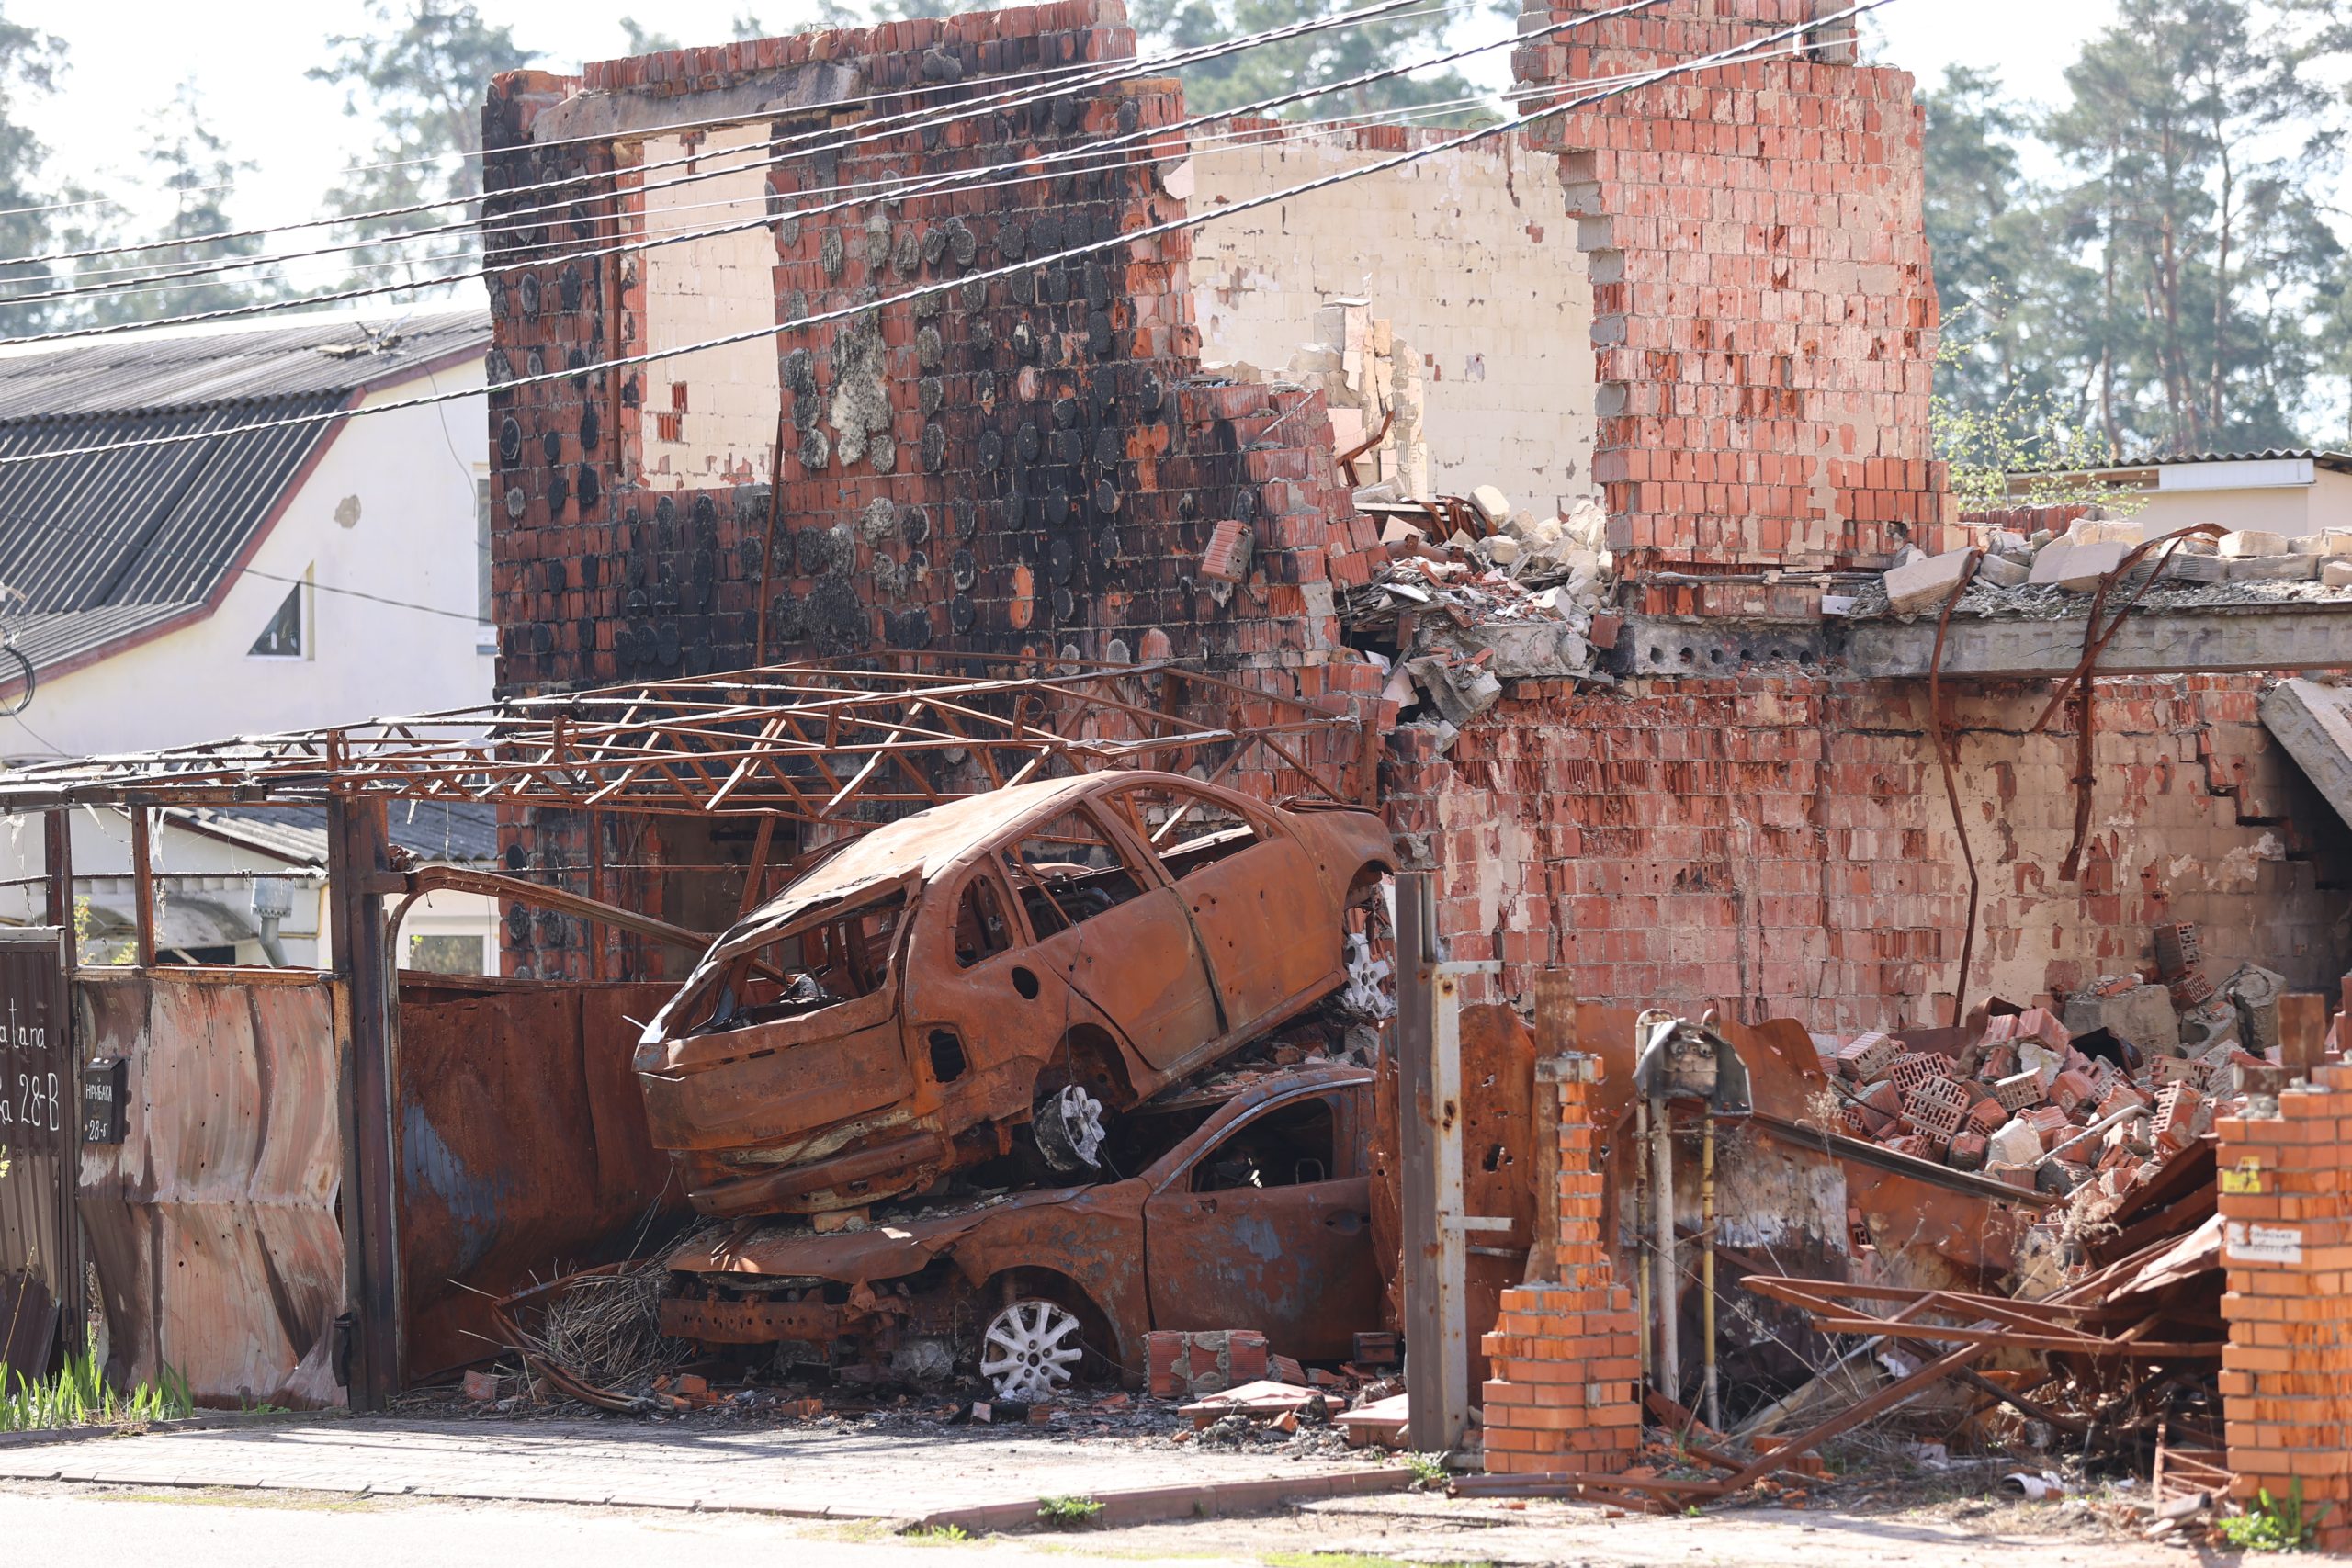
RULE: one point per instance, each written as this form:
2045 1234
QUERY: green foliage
2179 287
1428 1469
79 1395
1329 56
1068 1513
938 1535
2015 434
2272 1525
419 80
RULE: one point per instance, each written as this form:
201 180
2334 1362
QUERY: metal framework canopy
819 744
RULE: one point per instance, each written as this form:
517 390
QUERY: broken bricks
1189 1365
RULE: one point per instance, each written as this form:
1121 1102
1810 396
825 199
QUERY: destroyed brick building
1720 810
1540 491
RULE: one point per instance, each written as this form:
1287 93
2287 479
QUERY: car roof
922 845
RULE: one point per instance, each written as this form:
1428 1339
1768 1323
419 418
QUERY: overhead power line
961 179
887 127
1520 121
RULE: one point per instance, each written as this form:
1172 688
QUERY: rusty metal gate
39 1250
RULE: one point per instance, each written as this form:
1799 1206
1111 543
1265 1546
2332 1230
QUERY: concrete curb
1156 1504
45 1436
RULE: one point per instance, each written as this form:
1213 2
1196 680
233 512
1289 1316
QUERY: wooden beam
142 880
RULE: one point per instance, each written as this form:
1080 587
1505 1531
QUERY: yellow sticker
2245 1180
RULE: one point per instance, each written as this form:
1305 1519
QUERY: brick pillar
1563 1395
2287 1372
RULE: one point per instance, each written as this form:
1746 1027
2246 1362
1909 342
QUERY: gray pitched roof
110 546
461 832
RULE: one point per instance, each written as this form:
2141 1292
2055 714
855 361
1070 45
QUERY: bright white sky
247 60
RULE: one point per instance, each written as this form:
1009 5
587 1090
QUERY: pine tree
421 81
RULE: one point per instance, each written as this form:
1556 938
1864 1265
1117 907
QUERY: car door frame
1157 883
1349 1124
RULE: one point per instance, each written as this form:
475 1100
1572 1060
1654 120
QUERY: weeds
1068 1513
939 1535
79 1396
1428 1469
2272 1525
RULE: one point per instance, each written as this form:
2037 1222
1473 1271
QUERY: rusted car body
1255 1212
1033 956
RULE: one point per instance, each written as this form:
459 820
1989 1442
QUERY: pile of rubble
2093 550
1476 593
2087 1104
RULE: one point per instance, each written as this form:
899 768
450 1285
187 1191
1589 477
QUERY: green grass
78 1395
1428 1469
938 1535
1068 1513
2272 1525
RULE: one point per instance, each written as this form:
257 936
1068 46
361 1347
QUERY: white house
2295 495
254 580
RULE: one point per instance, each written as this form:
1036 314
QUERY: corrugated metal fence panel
522 1147
213 1223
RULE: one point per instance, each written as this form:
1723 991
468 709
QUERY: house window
486 635
449 954
282 637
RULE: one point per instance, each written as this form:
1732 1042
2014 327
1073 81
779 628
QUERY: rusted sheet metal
213 1223
39 1094
1192 1242
897 1012
522 1148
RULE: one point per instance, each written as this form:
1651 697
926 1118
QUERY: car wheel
1031 1350
1068 1128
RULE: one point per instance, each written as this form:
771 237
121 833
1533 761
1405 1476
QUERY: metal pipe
1669 1353
1713 1403
1641 1275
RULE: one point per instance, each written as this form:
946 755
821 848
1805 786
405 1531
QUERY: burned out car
997 971
1248 1207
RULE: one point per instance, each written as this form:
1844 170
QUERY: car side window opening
982 928
1187 830
1067 870
838 960
1288 1148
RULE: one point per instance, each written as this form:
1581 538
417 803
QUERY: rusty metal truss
812 743
1979 1320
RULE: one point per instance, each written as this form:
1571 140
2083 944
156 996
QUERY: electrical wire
1150 232
466 153
898 189
829 139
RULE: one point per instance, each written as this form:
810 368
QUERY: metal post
1416 1158
142 886
1663 1294
1453 1270
358 874
1712 1400
73 1269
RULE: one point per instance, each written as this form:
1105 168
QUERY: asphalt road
45 1523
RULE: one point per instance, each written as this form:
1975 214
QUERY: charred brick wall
1031 464
1780 843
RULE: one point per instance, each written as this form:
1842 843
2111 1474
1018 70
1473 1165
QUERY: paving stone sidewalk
812 1471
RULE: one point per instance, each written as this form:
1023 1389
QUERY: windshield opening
838 959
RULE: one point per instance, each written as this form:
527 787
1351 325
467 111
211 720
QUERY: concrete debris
1926 581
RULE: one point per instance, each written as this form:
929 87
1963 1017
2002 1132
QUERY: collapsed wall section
1469 259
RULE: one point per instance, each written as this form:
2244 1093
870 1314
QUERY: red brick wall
2287 1407
1765 313
1779 844
1566 1352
